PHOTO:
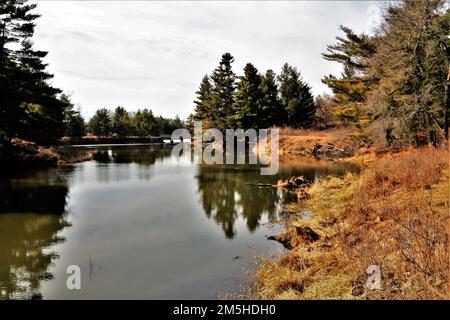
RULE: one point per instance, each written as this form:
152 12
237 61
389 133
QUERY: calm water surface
140 223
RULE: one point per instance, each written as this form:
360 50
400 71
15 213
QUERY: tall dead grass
394 215
303 141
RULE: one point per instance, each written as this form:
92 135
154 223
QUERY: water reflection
146 216
146 156
226 195
46 199
228 192
30 219
119 163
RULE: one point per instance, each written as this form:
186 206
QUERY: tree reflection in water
33 205
146 156
30 219
226 195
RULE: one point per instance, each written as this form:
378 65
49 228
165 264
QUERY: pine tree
75 125
350 90
176 123
301 110
296 98
203 103
412 61
222 94
43 121
30 105
271 111
101 124
121 122
248 98
74 122
144 123
288 83
437 68
163 125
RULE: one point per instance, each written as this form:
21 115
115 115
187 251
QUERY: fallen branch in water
260 185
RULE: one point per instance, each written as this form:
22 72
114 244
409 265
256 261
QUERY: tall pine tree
271 111
296 97
121 122
101 124
248 99
30 107
222 93
350 90
145 124
74 122
203 103
412 61
301 110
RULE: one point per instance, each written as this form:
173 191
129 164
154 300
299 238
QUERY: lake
141 224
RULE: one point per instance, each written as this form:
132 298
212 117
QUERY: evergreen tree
121 122
437 67
75 126
163 125
248 99
353 52
271 110
176 123
30 107
189 123
74 122
203 103
222 93
296 98
350 90
396 79
145 123
301 110
288 80
101 124
412 61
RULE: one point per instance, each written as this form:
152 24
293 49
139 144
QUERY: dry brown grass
394 215
302 142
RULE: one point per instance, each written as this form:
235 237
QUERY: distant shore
27 154
93 140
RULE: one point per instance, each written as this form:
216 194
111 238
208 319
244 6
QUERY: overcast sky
154 54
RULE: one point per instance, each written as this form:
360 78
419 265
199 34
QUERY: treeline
394 86
122 123
253 100
395 83
34 110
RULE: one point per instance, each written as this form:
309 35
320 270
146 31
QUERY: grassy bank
310 143
22 153
394 214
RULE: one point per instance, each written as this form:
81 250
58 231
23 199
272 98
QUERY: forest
363 175
393 89
33 110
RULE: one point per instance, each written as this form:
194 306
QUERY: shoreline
351 215
356 222
27 154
